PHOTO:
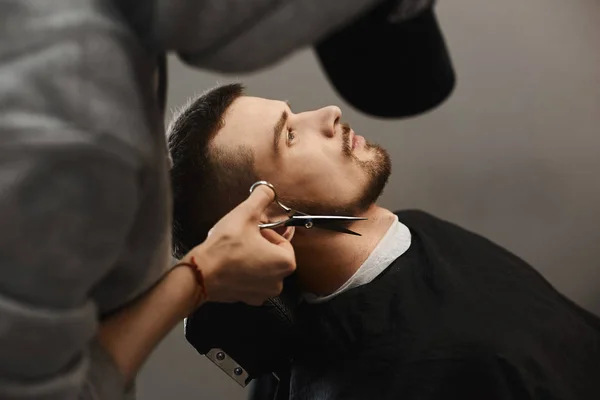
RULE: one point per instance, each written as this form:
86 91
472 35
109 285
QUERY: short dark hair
206 182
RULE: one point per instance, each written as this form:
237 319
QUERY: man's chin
379 170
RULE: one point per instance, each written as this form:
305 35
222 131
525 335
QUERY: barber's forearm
130 335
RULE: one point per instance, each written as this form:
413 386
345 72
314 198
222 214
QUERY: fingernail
289 233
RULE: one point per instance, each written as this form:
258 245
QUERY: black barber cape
455 317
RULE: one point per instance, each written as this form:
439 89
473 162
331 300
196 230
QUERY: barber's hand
239 261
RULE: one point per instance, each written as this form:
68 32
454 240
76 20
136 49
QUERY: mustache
346 145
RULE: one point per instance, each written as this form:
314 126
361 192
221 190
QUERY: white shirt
394 243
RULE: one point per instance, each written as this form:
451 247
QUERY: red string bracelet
197 273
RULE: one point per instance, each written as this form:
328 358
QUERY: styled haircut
206 182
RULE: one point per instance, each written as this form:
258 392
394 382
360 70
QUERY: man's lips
356 140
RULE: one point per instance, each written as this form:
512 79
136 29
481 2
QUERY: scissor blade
324 219
329 222
337 228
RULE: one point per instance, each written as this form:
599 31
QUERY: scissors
297 218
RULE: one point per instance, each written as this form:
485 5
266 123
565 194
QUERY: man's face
316 163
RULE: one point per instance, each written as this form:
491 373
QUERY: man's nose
331 119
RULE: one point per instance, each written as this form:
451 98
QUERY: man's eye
291 135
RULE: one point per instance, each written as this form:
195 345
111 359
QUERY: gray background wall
513 155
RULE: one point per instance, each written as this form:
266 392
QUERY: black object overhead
389 67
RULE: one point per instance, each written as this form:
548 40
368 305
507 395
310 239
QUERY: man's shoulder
441 229
410 213
414 218
417 219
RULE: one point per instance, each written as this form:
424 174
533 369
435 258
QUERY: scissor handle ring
267 184
276 199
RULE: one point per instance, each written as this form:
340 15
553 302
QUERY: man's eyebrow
277 130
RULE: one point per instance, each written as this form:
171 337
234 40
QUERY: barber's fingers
258 201
283 253
274 237
250 211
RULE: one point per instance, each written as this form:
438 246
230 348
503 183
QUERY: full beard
378 171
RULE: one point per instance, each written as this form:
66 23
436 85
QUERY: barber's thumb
260 198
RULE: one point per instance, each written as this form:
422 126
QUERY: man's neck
326 260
